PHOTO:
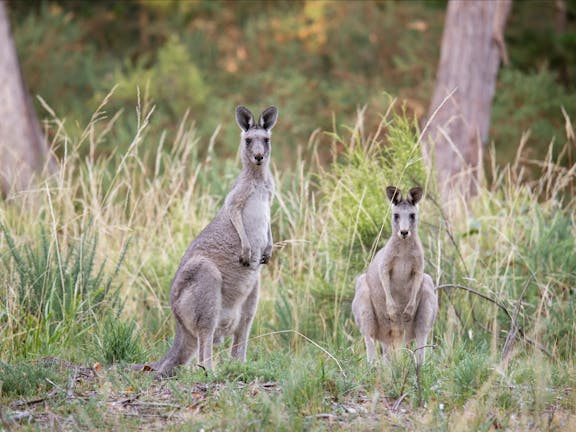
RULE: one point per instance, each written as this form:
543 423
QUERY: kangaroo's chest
256 216
402 273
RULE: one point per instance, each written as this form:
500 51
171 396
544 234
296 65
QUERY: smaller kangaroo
215 290
395 301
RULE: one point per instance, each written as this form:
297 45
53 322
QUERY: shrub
529 101
50 287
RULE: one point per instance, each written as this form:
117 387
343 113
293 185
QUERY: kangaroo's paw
393 314
165 373
144 367
408 314
245 257
265 258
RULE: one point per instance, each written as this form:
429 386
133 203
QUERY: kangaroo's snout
258 158
404 234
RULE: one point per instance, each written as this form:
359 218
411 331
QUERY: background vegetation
320 61
87 257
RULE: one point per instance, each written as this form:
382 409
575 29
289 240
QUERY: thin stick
511 336
417 366
307 339
501 306
398 402
157 404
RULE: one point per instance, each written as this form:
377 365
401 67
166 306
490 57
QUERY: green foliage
118 342
317 61
537 38
172 75
542 271
51 287
27 379
530 101
263 370
54 285
469 373
310 393
355 185
61 63
560 328
549 250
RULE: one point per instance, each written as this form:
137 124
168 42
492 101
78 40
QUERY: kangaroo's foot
145 367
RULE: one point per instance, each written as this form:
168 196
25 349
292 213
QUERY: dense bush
530 102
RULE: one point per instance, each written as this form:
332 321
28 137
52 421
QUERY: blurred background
318 61
137 98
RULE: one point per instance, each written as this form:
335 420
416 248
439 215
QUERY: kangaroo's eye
248 141
267 140
396 217
412 216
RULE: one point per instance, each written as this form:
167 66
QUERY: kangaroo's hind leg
425 316
240 342
183 349
196 302
364 316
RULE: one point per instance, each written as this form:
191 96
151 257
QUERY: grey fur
215 290
395 301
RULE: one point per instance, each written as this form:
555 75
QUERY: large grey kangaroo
395 301
215 290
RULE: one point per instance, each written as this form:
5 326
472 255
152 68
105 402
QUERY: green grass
87 258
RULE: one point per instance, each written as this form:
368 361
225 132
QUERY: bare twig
157 404
20 403
512 333
127 400
501 306
417 369
448 231
398 402
324 350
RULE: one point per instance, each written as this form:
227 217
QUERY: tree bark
459 116
23 149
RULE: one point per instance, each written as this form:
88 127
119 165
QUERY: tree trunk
23 150
459 116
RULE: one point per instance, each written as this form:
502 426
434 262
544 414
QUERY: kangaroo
395 300
215 290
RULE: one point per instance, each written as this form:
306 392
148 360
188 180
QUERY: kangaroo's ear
394 194
414 195
244 118
268 117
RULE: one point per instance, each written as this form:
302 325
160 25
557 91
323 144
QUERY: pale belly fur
256 218
401 281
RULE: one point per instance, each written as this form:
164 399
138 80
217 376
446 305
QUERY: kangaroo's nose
404 234
258 157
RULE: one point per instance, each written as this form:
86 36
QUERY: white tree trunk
23 149
459 115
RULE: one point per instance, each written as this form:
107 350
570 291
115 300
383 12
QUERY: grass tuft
118 342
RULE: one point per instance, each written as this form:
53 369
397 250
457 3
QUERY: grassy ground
87 258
